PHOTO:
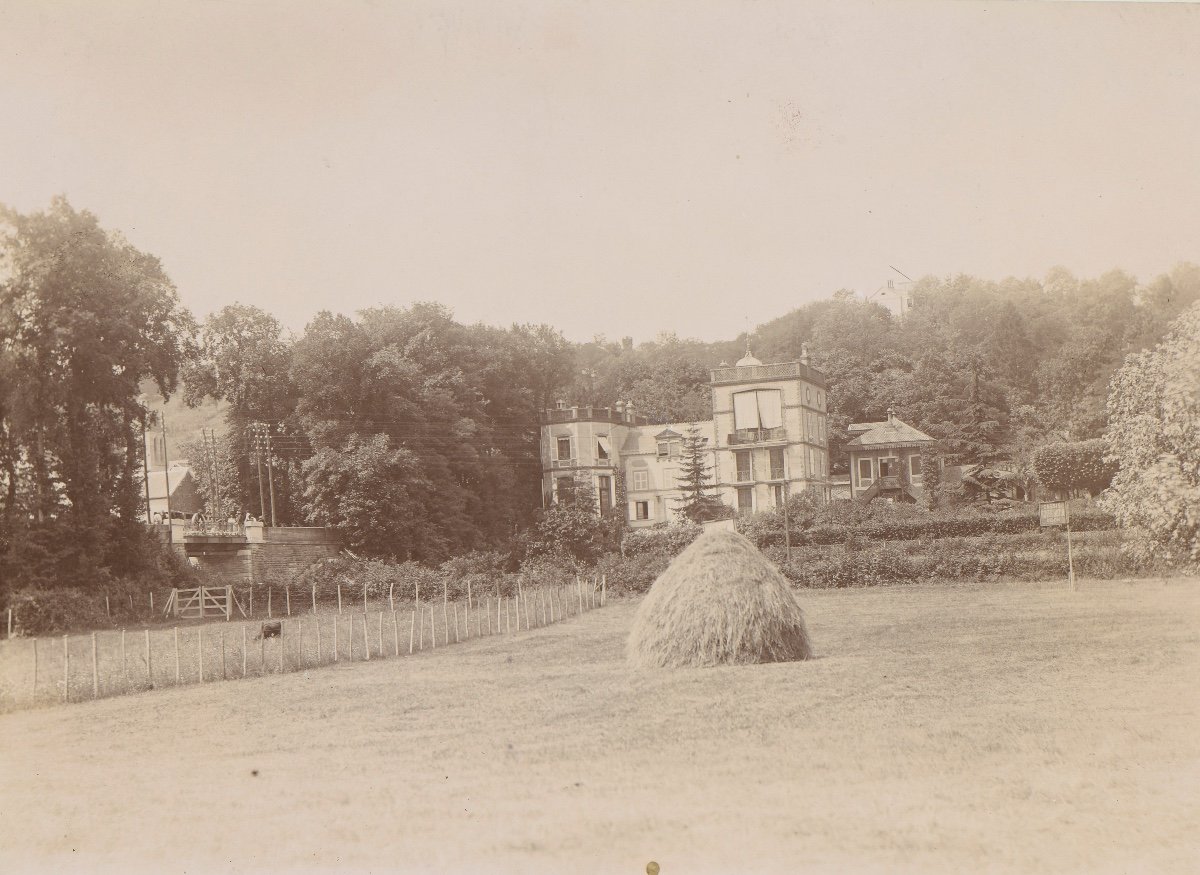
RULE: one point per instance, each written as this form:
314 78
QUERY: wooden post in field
95 671
151 602
66 670
468 592
380 635
420 629
200 650
223 674
35 667
314 603
335 639
10 622
287 594
176 655
366 639
268 602
395 635
391 600
149 664
107 610
507 616
446 609
339 586
251 607
412 628
365 605
489 614
228 603
317 621
124 664
245 647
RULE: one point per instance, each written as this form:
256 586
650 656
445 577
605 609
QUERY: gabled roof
891 433
644 439
667 433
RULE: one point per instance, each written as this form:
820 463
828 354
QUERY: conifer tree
695 478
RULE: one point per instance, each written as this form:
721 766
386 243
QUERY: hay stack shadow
719 602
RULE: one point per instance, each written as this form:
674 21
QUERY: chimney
629 410
560 405
804 353
891 416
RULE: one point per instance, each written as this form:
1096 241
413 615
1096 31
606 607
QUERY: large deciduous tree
85 317
1153 435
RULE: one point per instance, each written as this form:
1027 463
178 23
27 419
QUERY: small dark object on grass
269 630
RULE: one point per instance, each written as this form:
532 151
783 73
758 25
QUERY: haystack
719 602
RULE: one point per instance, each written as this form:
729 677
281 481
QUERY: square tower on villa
768 439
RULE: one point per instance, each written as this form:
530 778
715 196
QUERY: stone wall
284 554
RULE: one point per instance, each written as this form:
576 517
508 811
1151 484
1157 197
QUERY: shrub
661 540
631 575
47 611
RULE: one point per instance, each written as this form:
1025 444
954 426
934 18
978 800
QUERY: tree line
416 435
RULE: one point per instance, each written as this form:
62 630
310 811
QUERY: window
821 429
758 408
564 448
668 448
641 510
602 447
776 456
744 469
914 465
745 495
820 401
864 470
888 468
673 450
605 489
641 481
808 393
777 491
564 490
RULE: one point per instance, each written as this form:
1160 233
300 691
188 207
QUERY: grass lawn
1007 728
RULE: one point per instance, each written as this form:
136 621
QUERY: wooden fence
80 667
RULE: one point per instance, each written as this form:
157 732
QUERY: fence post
287 594
95 671
446 609
395 635
365 604
107 610
318 622
420 630
508 615
176 655
412 627
339 586
366 635
228 603
314 601
152 602
149 664
391 599
66 670
251 608
269 601
468 592
380 635
432 630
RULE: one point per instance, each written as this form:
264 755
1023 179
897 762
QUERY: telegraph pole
145 470
270 479
258 448
167 480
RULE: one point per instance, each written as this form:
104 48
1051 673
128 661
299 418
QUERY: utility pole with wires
259 442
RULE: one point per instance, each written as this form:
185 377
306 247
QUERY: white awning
770 408
605 448
745 410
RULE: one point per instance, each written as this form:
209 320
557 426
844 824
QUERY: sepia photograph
681 437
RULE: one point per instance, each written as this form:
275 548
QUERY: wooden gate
203 601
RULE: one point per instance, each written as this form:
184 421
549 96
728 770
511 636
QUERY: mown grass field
998 728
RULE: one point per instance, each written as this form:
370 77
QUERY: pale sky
607 167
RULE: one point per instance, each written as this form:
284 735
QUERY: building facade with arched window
768 439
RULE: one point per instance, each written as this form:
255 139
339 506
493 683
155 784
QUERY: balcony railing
777 474
592 414
782 370
756 435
